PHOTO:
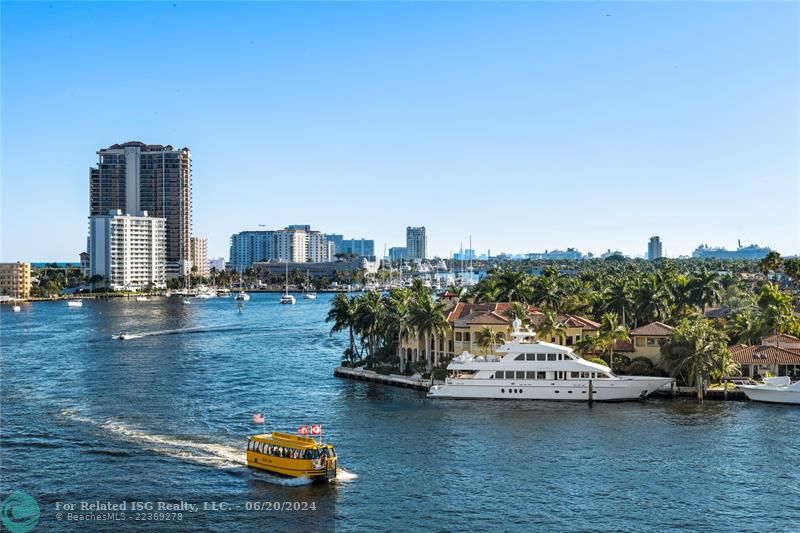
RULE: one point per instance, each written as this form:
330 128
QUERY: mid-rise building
359 247
654 248
416 243
397 254
134 177
218 264
557 255
200 256
127 250
286 245
84 264
15 280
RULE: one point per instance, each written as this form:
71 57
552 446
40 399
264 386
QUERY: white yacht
774 390
242 297
528 369
16 309
75 303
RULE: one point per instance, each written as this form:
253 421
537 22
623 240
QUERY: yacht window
502 390
584 375
551 357
574 375
560 375
520 375
499 374
520 357
530 357
601 376
541 375
530 375
566 357
541 356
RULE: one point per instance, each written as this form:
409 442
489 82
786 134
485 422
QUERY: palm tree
398 319
745 328
513 286
651 301
547 293
369 321
550 326
696 351
618 298
588 344
611 331
343 315
487 339
771 263
487 290
518 310
705 288
427 319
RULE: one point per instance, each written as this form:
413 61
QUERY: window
541 357
520 375
541 375
509 375
499 374
651 341
574 375
520 357
601 376
458 335
466 336
530 357
551 357
585 375
640 341
569 340
502 390
530 375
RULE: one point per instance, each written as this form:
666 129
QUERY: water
164 417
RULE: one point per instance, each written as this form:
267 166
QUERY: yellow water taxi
291 455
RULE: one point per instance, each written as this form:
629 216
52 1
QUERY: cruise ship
528 369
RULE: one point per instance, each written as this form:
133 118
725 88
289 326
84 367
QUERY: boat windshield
282 451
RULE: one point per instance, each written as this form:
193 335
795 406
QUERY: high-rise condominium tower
416 243
135 177
654 248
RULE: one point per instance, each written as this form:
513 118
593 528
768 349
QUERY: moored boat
75 303
528 369
774 390
291 456
242 296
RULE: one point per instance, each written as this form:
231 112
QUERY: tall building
286 245
654 248
127 250
337 240
15 280
200 255
416 243
135 177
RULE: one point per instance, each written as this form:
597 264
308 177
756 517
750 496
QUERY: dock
371 376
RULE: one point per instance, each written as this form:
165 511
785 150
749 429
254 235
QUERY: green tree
487 339
369 321
705 288
550 327
428 320
343 315
513 286
611 331
398 319
695 352
771 263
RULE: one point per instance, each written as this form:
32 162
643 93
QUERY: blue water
164 418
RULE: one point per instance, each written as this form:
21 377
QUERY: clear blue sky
531 126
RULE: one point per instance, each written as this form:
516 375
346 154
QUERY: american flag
258 418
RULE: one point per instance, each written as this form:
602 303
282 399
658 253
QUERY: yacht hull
771 394
623 389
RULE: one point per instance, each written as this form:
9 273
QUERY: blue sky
530 126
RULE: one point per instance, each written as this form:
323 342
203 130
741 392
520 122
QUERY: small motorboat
124 336
16 309
774 390
142 299
242 297
74 303
186 302
310 296
292 456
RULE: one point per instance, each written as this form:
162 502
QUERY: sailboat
242 296
287 298
308 295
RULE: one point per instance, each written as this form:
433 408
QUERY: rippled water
163 418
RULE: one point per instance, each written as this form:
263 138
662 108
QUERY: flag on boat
316 429
258 418
303 430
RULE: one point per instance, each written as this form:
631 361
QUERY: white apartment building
200 256
128 251
294 244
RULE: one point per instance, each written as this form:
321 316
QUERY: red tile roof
653 329
783 338
765 355
570 321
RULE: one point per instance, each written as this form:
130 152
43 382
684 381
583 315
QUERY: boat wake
344 475
216 455
181 331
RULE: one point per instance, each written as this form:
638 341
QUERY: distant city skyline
529 126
